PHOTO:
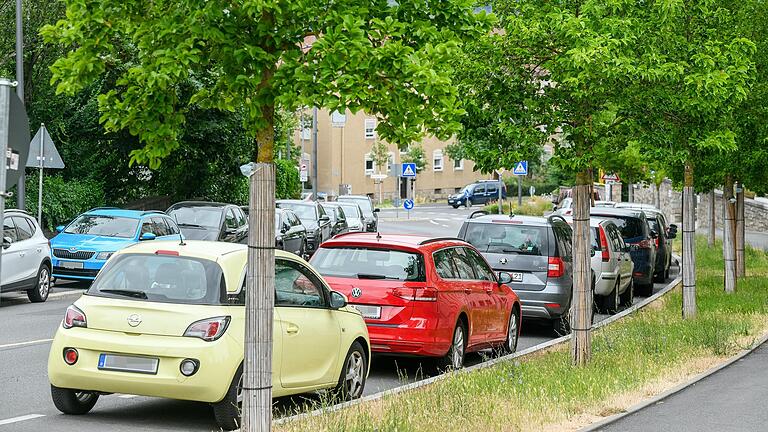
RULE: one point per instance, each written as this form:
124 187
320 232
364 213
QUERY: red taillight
74 317
555 267
644 244
70 356
568 212
208 329
604 246
416 294
656 240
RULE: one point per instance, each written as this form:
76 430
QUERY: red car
434 297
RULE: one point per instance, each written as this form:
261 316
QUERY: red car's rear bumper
414 340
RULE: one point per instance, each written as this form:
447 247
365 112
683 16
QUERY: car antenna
378 234
181 237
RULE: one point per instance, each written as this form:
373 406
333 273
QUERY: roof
15 210
592 221
639 206
406 241
520 219
198 204
613 211
210 250
343 197
117 212
300 202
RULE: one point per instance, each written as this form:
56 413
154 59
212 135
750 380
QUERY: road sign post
43 154
408 206
500 171
520 170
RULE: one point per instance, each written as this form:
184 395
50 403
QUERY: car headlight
103 255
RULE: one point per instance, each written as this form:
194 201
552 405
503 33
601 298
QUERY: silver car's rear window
508 238
161 278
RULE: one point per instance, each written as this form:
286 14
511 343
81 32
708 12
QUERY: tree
415 154
390 59
380 156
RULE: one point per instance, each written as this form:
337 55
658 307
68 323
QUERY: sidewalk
733 399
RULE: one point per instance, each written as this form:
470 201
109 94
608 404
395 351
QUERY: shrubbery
62 199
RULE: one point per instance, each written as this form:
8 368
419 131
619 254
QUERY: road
26 329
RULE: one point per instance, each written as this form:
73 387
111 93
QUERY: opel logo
134 320
503 260
356 292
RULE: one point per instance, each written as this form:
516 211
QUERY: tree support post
741 265
689 247
712 221
581 303
729 235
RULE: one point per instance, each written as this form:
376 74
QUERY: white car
612 266
26 256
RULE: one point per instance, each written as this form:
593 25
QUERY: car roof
117 212
613 211
397 241
593 223
198 204
517 219
293 201
343 197
634 205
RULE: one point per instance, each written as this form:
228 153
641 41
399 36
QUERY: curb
540 347
674 390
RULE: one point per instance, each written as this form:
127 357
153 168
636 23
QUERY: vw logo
356 292
134 320
503 260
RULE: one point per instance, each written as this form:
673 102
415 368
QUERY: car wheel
454 358
455 206
39 293
227 410
645 290
352 378
562 325
612 299
75 402
513 334
660 277
628 297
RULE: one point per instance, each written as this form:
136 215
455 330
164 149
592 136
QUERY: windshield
106 226
305 212
466 190
331 212
364 203
508 238
364 263
630 227
161 278
351 210
209 217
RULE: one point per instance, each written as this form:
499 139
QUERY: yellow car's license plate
121 363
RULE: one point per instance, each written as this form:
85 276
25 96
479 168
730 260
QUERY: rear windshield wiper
126 293
374 276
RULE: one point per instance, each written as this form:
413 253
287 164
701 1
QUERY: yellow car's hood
143 317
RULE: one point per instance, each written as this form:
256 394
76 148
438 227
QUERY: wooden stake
729 235
741 267
689 246
711 233
581 303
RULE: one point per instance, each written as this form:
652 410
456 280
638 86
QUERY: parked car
666 232
480 192
370 213
81 248
605 204
564 207
423 297
537 252
567 192
26 257
338 218
313 217
637 233
200 220
354 215
168 320
290 234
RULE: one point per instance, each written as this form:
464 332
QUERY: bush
63 199
535 206
287 184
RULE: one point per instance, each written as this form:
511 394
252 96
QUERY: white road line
433 222
20 344
20 418
442 220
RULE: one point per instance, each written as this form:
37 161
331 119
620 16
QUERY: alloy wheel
44 282
457 354
512 333
353 379
83 397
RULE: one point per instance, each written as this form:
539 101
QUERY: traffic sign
611 177
42 142
378 176
18 136
408 204
408 170
303 171
521 168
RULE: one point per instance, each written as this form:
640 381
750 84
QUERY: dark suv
202 220
637 233
479 192
314 218
537 252
666 232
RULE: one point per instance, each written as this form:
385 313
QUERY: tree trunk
260 294
689 245
711 233
581 303
657 197
729 235
741 265
630 193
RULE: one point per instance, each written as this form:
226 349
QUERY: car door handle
22 253
292 329
39 250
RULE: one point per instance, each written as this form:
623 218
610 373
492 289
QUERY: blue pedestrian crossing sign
408 204
521 168
408 170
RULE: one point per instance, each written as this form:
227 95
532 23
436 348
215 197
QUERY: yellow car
167 319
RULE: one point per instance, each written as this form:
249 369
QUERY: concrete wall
670 199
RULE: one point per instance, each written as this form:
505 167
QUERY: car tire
454 358
562 325
40 292
628 296
645 290
513 334
353 374
660 277
455 206
73 402
227 411
611 301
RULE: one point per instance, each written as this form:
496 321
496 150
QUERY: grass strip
638 356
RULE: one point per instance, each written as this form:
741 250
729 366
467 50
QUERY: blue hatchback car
81 248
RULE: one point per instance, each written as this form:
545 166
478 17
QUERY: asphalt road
26 330
731 400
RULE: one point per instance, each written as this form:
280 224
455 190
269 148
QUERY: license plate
517 277
145 365
373 312
71 264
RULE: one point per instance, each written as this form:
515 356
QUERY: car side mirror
324 218
376 210
147 236
591 252
672 234
673 227
7 242
284 229
338 300
504 278
60 228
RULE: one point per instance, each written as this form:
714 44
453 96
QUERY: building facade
346 166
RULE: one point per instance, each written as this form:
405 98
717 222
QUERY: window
370 128
296 286
481 267
458 164
368 164
364 263
463 264
230 221
241 219
9 229
437 160
390 161
160 227
24 228
438 191
493 189
508 238
444 264
106 226
172 227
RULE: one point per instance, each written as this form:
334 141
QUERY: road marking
20 344
434 222
442 220
20 418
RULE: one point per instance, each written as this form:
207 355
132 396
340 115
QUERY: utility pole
581 309
5 109
20 186
519 191
314 153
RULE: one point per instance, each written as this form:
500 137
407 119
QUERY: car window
24 228
482 271
479 189
159 227
296 286
241 219
303 211
463 264
9 230
492 188
351 210
444 264
204 216
508 238
321 211
365 263
563 238
364 203
230 220
615 236
105 226
340 214
172 227
630 227
594 236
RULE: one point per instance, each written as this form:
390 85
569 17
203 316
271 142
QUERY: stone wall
670 199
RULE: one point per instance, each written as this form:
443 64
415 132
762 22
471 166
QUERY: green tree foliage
415 154
379 155
64 199
287 184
